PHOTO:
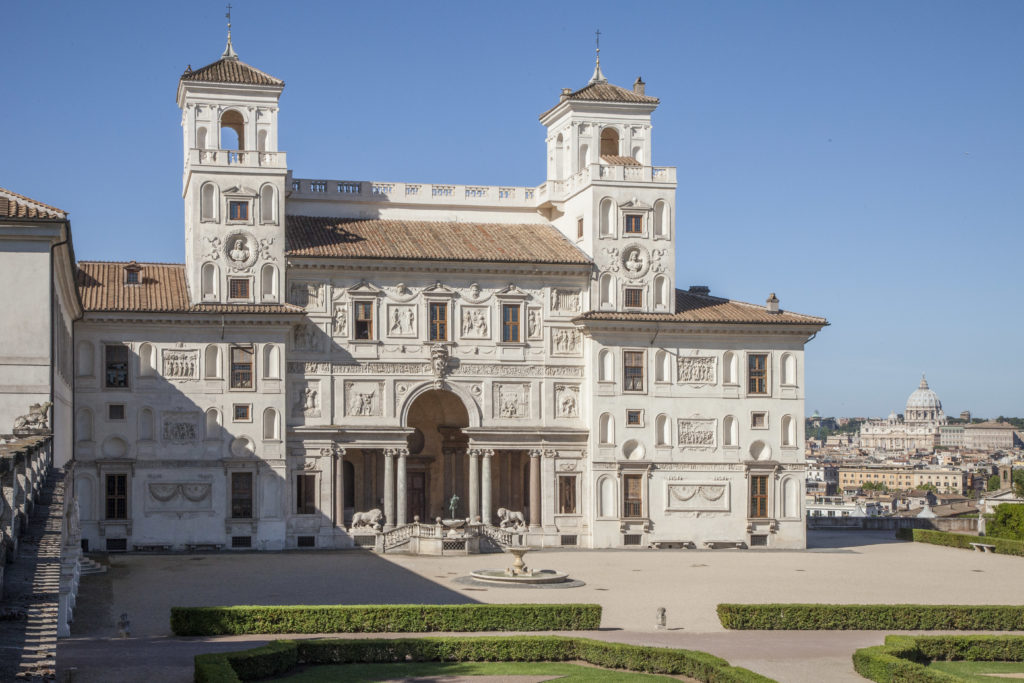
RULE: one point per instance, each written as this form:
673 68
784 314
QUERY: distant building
989 436
903 478
917 429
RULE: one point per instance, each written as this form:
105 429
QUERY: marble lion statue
511 519
35 419
367 520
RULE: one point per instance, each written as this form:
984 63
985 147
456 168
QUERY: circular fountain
519 573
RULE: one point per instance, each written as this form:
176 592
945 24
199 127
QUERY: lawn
566 673
974 671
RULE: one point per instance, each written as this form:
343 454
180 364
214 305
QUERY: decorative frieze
512 401
697 433
697 369
178 497
180 427
463 369
697 496
181 365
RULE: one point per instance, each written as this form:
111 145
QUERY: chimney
639 86
700 289
773 303
565 94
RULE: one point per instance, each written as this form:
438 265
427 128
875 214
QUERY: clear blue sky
861 159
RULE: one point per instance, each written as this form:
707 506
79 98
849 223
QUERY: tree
874 486
1007 522
928 487
1018 483
993 482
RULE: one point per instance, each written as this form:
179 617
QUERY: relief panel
697 433
696 496
364 399
512 401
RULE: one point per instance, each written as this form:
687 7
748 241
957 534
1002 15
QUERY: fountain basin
535 576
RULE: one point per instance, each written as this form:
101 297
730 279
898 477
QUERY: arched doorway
436 466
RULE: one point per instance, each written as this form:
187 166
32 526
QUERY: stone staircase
28 625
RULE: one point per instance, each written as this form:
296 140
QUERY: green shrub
872 617
905 534
904 659
1003 546
241 620
1008 522
242 666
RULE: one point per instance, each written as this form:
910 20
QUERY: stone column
474 483
369 472
485 481
535 506
339 483
389 488
403 500
549 481
449 478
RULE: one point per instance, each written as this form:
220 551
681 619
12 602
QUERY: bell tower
233 183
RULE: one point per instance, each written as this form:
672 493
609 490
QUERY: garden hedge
242 620
872 617
278 657
906 658
1003 546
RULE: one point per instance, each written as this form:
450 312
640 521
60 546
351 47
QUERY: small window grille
306 541
115 411
117 545
238 288
758 540
241 541
570 539
632 539
364 541
238 211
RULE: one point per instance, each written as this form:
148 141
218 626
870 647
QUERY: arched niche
147 360
268 204
210 279
788 430
609 142
268 282
662 219
788 366
213 424
791 496
662 366
271 361
663 431
146 425
559 157
605 366
271 425
208 202
730 368
606 429
83 425
232 130
606 213
730 431
606 503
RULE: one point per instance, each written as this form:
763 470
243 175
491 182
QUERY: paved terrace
841 566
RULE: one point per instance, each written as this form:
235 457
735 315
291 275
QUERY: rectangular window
634 224
632 495
115 411
579 228
117 496
238 288
305 494
243 412
238 211
131 277
364 320
241 495
117 359
241 367
759 495
567 494
633 371
510 323
634 297
438 321
757 373
634 418
759 420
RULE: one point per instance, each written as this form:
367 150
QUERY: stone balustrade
236 158
24 465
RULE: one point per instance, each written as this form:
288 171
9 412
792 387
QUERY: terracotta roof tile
161 289
429 240
694 307
14 205
230 70
606 92
613 160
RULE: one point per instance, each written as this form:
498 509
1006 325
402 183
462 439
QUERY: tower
233 183
605 196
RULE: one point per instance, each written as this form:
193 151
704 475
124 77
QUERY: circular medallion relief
241 249
636 261
242 447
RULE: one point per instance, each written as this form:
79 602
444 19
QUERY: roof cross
229 51
598 77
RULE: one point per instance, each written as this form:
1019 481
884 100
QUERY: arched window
730 431
661 295
201 137
606 429
584 157
605 366
208 202
730 368
270 422
609 142
662 366
662 432
662 220
788 369
606 498
232 130
788 430
559 157
268 282
84 359
83 425
607 224
791 498
210 280
145 424
212 365
271 361
268 208
213 424
607 291
147 360
261 141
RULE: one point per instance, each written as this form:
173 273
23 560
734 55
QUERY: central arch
435 469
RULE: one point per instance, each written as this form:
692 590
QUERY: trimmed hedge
1003 546
278 657
872 617
243 620
906 658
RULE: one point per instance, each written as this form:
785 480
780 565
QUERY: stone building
916 430
334 347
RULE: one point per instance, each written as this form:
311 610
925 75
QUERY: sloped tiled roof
161 289
990 424
14 205
230 70
694 307
316 236
602 91
614 160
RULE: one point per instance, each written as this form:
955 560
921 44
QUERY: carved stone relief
241 250
463 369
476 322
364 399
636 261
567 400
181 365
340 320
309 295
307 399
566 341
565 301
696 369
401 321
178 497
697 496
534 325
697 433
512 401
180 427
306 337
